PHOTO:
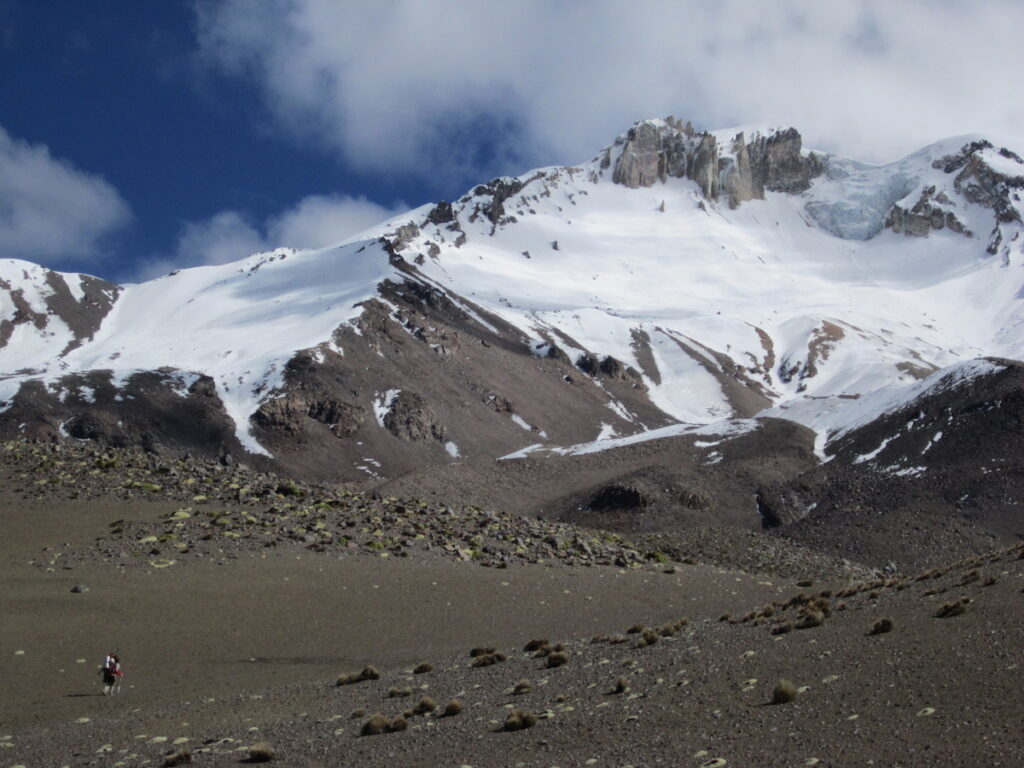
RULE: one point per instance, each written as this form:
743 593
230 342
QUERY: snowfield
835 316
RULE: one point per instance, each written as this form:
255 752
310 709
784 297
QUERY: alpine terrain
709 387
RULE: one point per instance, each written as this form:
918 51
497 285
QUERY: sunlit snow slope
722 303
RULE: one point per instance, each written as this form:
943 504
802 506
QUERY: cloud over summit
51 210
452 88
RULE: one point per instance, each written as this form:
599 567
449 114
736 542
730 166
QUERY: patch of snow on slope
520 421
452 448
872 454
935 438
834 417
382 404
725 429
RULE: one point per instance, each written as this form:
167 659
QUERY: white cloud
448 87
51 210
316 221
321 220
224 237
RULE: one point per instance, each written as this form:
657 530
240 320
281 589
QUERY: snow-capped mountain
679 277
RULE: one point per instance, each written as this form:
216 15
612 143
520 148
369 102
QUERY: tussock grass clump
670 629
881 627
557 659
452 708
261 753
398 724
956 608
534 645
783 692
970 577
425 705
517 720
177 757
422 668
481 650
368 673
396 693
647 637
377 724
487 659
989 581
781 629
523 686
357 713
636 629
621 685
547 649
809 619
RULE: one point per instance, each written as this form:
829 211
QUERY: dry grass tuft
398 724
425 705
810 618
534 645
376 725
487 659
177 757
481 650
955 608
557 659
621 685
517 720
784 692
452 708
422 668
368 673
397 693
781 629
881 627
970 577
261 753
523 686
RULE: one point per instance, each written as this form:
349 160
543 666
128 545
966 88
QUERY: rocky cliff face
985 176
654 151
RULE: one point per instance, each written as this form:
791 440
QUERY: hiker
112 673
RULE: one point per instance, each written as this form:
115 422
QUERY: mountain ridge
668 280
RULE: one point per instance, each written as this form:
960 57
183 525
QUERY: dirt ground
223 652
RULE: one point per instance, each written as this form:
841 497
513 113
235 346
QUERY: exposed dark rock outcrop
291 413
938 476
930 212
653 152
978 183
411 418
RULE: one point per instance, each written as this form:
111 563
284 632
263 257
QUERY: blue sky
137 137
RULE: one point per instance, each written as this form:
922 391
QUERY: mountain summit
679 279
